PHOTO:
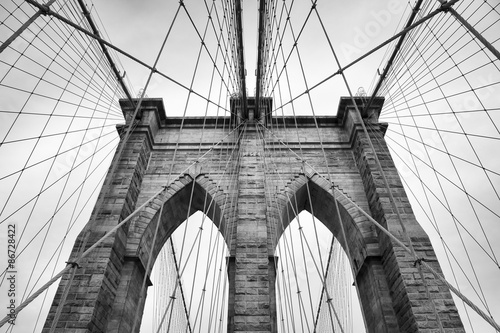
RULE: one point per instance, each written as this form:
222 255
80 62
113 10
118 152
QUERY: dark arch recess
176 208
320 203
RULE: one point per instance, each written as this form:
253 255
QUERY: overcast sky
354 27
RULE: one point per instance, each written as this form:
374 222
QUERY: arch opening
196 251
180 221
176 207
308 255
315 198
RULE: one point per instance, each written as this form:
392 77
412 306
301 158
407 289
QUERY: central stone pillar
251 273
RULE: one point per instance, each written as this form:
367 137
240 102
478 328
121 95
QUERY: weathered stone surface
252 210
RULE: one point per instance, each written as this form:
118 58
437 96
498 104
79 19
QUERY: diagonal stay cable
29 113
110 232
418 260
378 137
448 131
427 189
321 272
203 45
61 153
67 62
51 135
443 151
388 41
448 251
50 12
446 207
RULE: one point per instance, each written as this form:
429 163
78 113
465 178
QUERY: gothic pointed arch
313 193
181 199
252 211
185 196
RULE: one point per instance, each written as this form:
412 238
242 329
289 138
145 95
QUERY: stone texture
252 210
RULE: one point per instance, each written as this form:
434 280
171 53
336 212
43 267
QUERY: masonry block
252 210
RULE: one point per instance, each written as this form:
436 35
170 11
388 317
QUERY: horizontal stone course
256 206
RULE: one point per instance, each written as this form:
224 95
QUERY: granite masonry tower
396 296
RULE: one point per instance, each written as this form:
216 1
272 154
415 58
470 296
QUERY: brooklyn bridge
237 166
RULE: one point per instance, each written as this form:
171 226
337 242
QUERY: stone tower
105 291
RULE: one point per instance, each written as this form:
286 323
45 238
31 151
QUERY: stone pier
252 213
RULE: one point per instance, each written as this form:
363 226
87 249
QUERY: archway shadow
323 260
198 251
358 239
318 200
149 232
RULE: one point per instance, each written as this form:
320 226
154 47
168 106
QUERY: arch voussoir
252 212
294 198
316 194
182 198
150 230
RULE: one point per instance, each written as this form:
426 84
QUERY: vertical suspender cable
105 50
18 32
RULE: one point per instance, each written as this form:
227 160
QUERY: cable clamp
418 261
73 264
446 5
45 9
445 8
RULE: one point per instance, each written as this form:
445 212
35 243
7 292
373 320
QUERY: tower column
99 281
420 302
251 293
395 295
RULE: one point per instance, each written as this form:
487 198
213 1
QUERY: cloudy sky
353 27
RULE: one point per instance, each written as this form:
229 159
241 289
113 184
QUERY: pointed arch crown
315 194
181 199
